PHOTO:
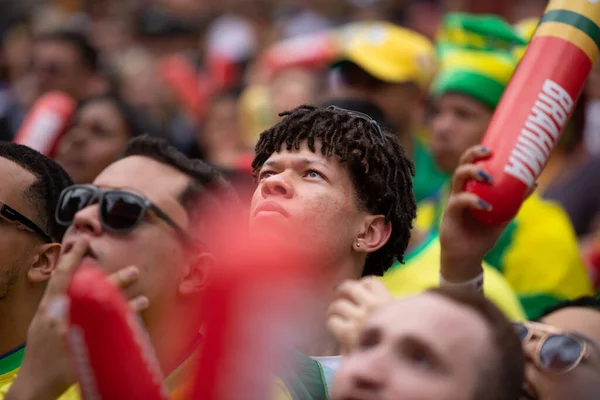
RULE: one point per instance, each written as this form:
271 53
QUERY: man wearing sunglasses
563 352
30 184
138 212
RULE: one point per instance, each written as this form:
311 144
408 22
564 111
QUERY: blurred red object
253 309
102 326
47 122
244 163
310 51
193 88
184 80
591 257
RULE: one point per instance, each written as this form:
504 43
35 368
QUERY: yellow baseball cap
388 52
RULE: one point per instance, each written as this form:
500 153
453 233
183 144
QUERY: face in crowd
435 346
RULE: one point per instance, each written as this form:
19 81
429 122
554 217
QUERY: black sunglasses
356 114
556 351
16 218
119 210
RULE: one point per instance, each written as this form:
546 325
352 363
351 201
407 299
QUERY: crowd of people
345 129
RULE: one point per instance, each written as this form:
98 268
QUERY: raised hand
465 241
355 301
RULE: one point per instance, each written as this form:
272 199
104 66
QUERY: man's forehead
303 155
428 315
578 320
14 180
145 175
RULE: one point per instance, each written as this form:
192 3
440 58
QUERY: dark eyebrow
301 161
370 333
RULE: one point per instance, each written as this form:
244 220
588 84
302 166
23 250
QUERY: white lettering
552 108
542 141
559 94
542 129
535 159
517 169
539 117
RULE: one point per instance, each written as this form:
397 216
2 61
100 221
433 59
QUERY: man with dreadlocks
333 181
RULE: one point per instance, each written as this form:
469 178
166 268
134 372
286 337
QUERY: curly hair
380 171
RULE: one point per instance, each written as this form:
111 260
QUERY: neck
322 343
19 310
173 339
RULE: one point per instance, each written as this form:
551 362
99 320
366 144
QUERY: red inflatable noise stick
110 350
537 105
252 310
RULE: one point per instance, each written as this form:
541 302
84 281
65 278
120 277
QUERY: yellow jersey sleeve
6 381
421 271
541 258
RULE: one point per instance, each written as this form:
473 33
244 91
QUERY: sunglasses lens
121 211
73 200
559 353
521 330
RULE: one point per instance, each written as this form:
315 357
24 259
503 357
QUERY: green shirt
428 177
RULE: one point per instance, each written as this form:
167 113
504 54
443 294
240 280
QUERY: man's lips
270 207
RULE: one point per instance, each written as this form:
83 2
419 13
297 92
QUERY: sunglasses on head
374 125
16 218
119 210
557 352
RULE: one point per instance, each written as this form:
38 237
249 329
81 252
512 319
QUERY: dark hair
380 172
43 194
580 302
502 377
78 41
364 106
136 122
354 75
206 184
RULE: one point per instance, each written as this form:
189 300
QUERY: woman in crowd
100 130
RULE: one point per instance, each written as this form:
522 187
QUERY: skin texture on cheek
8 278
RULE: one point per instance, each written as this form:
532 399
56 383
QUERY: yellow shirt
421 271
537 254
9 368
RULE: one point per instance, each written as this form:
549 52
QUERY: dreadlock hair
380 171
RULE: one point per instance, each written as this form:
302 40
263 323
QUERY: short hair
380 171
79 42
501 378
43 194
136 122
207 186
590 302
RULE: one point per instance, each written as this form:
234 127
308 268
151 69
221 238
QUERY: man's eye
313 174
265 175
422 361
